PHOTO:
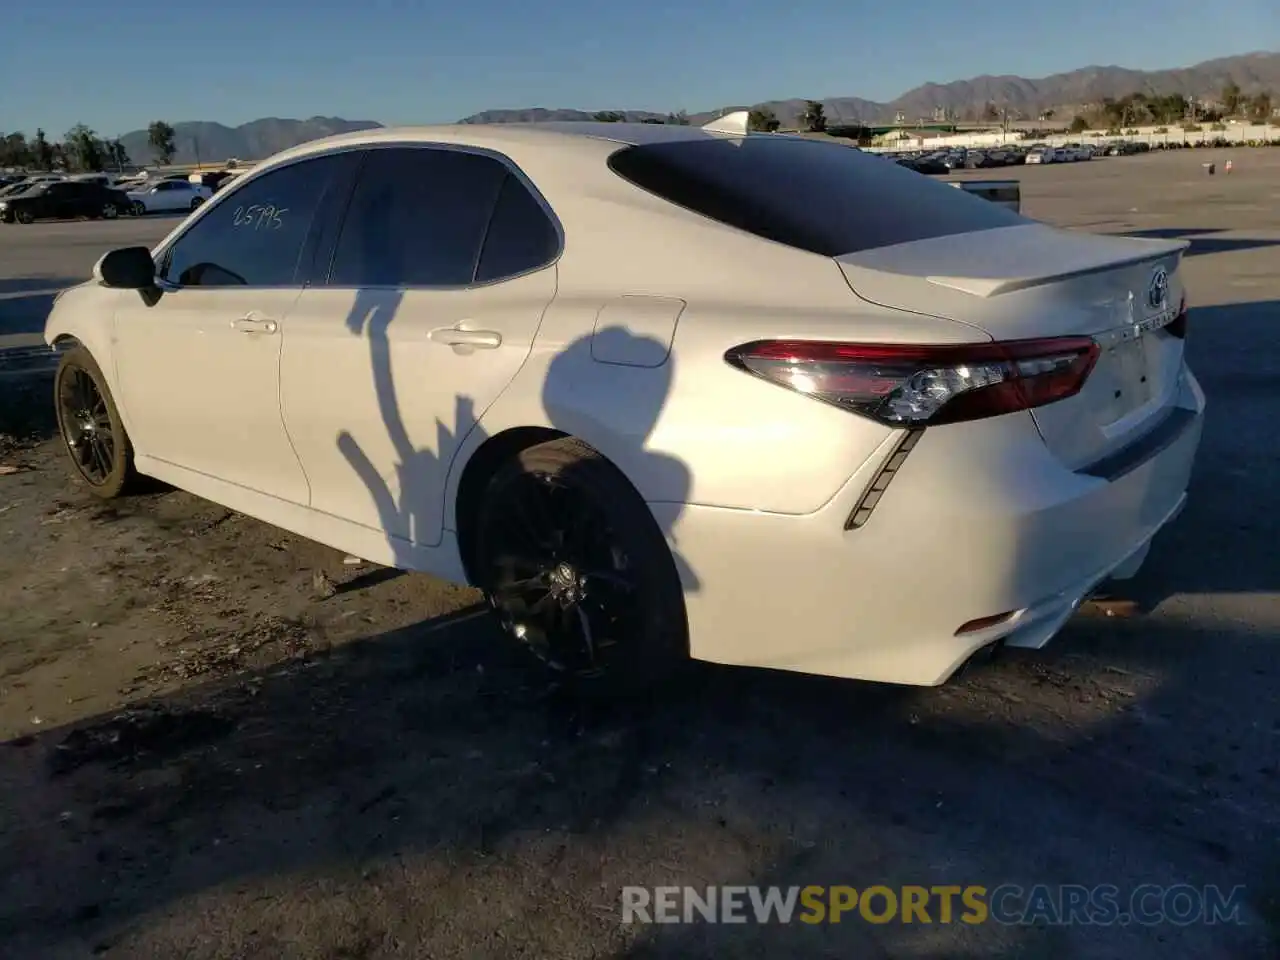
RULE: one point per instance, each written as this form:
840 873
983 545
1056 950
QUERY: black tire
25 216
90 426
562 525
138 209
195 203
110 211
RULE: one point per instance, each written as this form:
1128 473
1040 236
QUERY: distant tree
1079 125
609 116
59 159
160 139
1260 107
1231 99
117 154
990 113
42 152
84 149
15 151
1047 114
679 118
1166 109
814 117
762 120
652 120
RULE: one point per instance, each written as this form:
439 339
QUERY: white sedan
167 196
661 392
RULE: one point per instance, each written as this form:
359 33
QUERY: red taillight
912 385
1178 325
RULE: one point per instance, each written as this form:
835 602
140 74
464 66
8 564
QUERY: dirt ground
222 741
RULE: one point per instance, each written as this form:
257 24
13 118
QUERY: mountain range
1252 72
203 140
1027 97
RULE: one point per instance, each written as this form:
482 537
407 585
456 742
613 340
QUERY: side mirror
128 268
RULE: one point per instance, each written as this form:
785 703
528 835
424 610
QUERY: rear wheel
110 211
578 572
25 216
139 208
91 428
195 204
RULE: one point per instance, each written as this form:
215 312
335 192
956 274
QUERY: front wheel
90 426
138 208
25 216
578 572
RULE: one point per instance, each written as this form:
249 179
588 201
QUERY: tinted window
521 236
417 217
255 234
820 197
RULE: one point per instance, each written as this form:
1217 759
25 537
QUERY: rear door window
521 236
417 218
824 198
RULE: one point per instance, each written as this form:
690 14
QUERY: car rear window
824 198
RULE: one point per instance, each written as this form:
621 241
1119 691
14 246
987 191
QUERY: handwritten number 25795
260 216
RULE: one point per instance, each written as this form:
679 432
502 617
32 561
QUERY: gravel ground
223 741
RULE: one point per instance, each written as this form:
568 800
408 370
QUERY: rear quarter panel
695 430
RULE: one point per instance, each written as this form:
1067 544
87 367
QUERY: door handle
457 337
252 324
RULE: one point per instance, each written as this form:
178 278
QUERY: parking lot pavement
39 259
223 741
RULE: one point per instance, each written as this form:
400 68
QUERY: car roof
502 136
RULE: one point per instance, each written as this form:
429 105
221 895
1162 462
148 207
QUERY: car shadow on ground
18 285
1202 242
1214 547
430 746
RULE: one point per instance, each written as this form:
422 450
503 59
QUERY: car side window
417 217
255 234
521 236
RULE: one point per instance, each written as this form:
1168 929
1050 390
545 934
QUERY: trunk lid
1033 280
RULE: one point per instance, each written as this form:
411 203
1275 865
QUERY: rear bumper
980 520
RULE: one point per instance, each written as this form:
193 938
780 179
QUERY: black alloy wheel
90 426
577 571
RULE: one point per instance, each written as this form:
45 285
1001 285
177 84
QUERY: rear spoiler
1104 252
1007 193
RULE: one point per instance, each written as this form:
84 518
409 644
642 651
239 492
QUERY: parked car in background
113 181
214 180
63 200
639 382
1045 155
167 196
15 187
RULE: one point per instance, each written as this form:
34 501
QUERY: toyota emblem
1158 292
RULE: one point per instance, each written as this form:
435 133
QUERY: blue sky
118 66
